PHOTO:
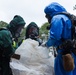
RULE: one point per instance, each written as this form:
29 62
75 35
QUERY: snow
34 60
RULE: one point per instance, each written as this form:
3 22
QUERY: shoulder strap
70 16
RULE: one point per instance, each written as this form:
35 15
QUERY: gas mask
48 17
18 31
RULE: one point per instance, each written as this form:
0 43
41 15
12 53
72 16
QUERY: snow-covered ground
34 60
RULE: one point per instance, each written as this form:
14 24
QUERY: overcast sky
30 10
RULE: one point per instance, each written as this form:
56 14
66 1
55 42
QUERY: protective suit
6 50
15 27
32 28
32 31
60 28
6 47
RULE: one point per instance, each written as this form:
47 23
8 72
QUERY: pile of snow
34 60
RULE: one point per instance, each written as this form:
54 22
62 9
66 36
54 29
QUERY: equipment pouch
68 62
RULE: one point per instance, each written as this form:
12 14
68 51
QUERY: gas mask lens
19 31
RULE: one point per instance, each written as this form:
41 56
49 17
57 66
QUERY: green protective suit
6 51
14 24
6 47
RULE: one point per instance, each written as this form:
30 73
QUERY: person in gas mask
15 27
32 31
7 36
60 34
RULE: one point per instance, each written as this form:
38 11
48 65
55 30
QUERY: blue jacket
60 24
60 28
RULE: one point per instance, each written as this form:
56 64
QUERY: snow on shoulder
34 60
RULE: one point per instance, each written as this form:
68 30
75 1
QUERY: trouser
5 66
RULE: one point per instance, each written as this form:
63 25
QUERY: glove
43 45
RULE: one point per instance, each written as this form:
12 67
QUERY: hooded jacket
60 24
15 23
34 31
60 28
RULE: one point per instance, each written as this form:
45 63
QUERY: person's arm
55 31
6 43
50 42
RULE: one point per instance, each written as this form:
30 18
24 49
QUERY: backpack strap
70 16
